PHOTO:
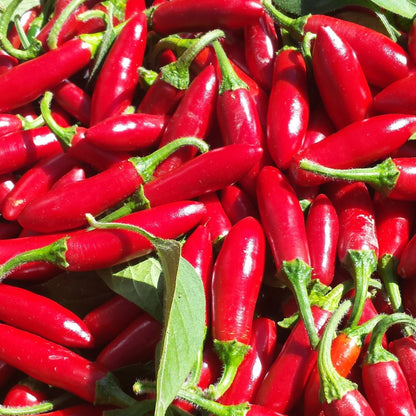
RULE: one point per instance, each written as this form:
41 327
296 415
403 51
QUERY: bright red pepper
288 112
7 183
75 174
340 79
237 204
25 393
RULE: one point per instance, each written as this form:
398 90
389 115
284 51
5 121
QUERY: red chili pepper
255 364
356 145
25 393
193 117
281 215
182 16
201 175
61 208
322 230
7 62
7 183
383 60
55 365
357 243
43 316
10 123
283 385
107 320
288 112
237 204
35 182
133 7
74 100
340 79
74 175
261 43
237 275
6 371
411 42
90 250
385 385
135 344
117 80
128 132
9 229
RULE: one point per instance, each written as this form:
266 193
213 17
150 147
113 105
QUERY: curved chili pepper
281 215
201 175
35 182
182 16
25 393
322 230
340 79
43 316
286 379
255 364
340 396
61 209
236 279
90 250
10 123
55 365
135 344
382 60
107 320
356 145
74 175
193 117
117 81
74 100
385 385
357 244
288 112
237 204
128 132
260 45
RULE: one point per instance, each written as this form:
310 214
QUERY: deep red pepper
193 117
182 16
383 60
38 314
7 62
107 320
133 7
407 265
322 230
75 174
281 215
261 43
35 182
53 364
237 204
288 111
411 42
10 123
385 385
117 80
128 132
25 393
61 208
340 79
74 100
135 344
9 229
201 174
7 183
356 145
90 250
255 364
237 276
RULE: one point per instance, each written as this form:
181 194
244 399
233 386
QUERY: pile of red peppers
207 207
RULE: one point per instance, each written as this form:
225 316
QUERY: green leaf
141 282
23 6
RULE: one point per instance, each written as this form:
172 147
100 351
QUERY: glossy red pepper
288 111
182 16
35 182
340 79
133 7
356 145
322 229
7 62
117 80
383 60
7 183
10 123
25 393
75 174
106 321
128 132
90 250
237 204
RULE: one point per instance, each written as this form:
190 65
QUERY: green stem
361 264
109 392
230 80
20 31
360 332
26 410
35 46
31 124
376 353
382 177
177 73
231 354
333 385
387 270
298 275
146 78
